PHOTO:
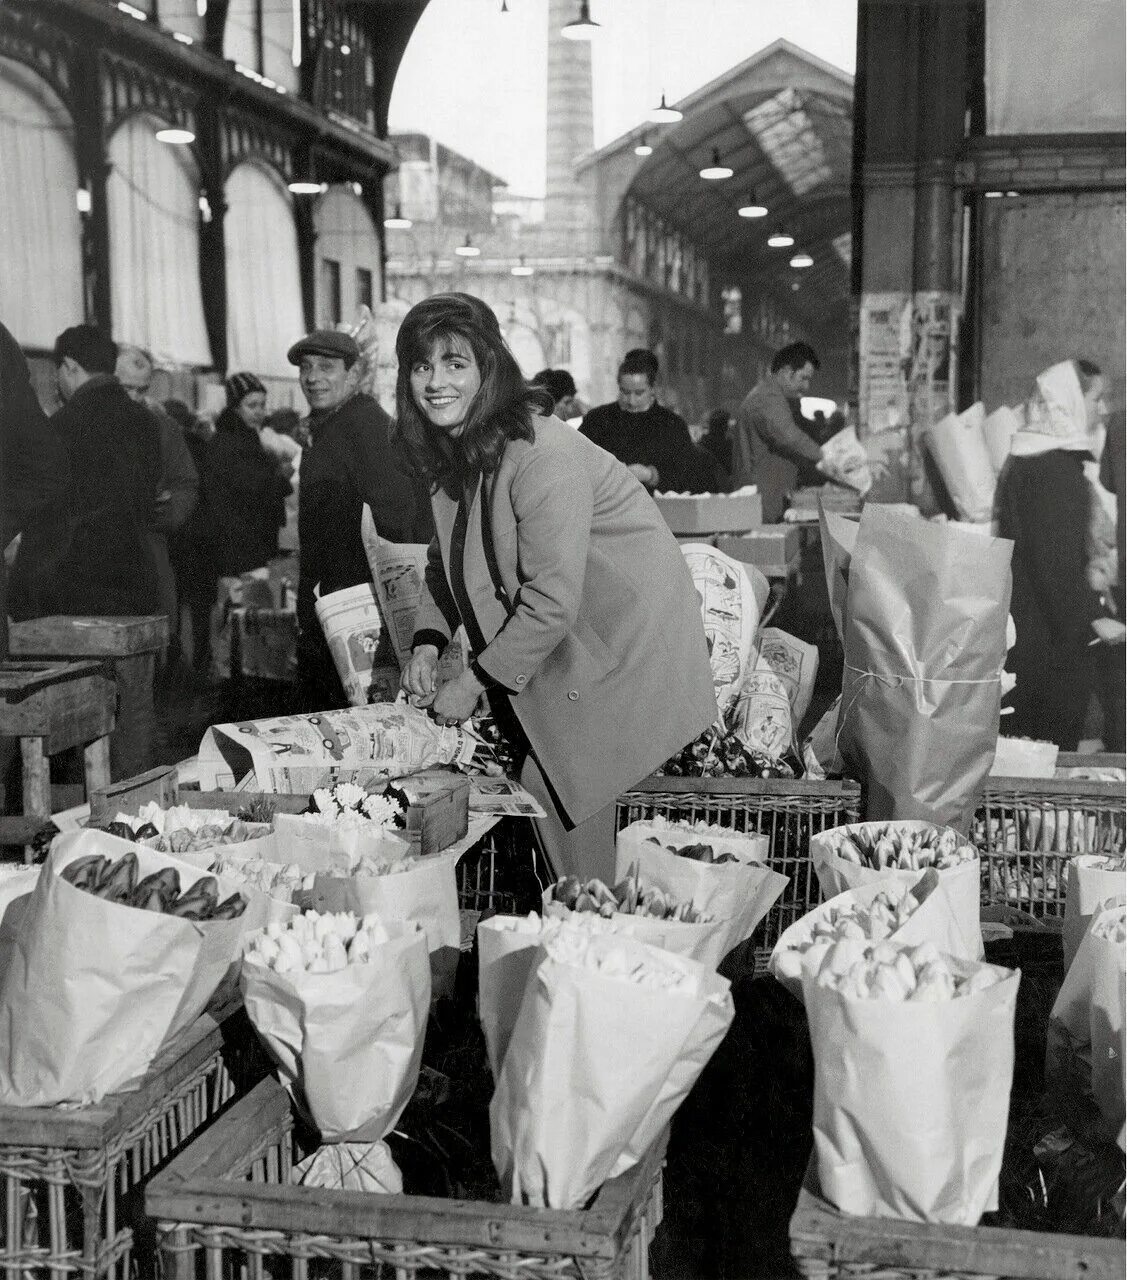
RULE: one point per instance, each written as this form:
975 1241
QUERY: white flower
323 799
348 795
381 810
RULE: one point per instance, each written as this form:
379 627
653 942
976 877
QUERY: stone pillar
571 129
909 130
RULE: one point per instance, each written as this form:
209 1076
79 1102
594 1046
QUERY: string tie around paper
892 681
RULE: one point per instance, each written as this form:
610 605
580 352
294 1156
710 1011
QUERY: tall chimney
571 128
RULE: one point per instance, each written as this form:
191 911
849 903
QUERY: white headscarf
1057 417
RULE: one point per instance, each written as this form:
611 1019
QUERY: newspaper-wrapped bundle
775 693
737 893
610 1037
959 448
903 913
248 590
863 853
913 1062
341 1006
998 430
732 596
508 949
844 458
298 754
1085 1050
398 572
350 619
93 988
924 637
1092 880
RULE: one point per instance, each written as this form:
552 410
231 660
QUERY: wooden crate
829 1245
73 1178
130 645
436 820
225 1207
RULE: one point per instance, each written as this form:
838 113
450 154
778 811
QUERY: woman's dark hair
501 411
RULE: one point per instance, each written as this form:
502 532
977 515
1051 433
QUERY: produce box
710 512
773 549
829 1245
73 1179
439 812
226 1205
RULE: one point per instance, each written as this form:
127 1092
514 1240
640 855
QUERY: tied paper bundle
1092 880
732 596
341 1005
925 639
775 693
736 893
1085 1053
343 825
913 1062
350 620
864 853
958 445
508 953
93 988
887 909
610 1037
844 459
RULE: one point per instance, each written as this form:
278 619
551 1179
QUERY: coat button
573 696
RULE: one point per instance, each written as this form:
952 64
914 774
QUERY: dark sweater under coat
246 497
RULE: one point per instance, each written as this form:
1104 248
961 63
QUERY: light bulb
582 28
521 269
397 222
801 259
643 148
467 250
779 239
304 187
665 114
714 171
176 137
753 209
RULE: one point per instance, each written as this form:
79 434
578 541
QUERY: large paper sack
592 1069
910 1101
1089 884
925 635
347 1044
94 989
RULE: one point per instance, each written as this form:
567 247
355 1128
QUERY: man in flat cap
350 461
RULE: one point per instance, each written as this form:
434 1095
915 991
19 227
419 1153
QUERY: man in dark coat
650 440
351 462
113 445
36 477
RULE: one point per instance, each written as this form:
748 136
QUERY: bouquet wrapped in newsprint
299 754
116 949
610 1037
862 853
885 909
340 1002
913 1062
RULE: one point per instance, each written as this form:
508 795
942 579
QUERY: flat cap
324 342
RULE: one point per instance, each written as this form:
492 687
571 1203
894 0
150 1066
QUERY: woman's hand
454 703
420 675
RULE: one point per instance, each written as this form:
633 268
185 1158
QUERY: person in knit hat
1044 506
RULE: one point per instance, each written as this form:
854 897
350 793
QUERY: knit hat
1057 417
241 385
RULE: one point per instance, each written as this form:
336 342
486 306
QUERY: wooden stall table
130 645
50 706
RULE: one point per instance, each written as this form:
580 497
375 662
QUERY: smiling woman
575 596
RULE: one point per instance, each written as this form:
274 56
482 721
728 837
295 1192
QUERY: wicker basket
788 812
225 1208
828 1245
73 1177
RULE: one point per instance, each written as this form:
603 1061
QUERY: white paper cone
350 619
932 921
347 1044
998 431
702 942
425 894
587 1062
959 448
750 847
910 1101
93 989
351 1166
739 895
960 884
1088 887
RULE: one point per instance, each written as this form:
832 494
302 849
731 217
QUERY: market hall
563 663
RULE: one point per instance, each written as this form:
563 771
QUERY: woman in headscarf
580 608
1044 505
